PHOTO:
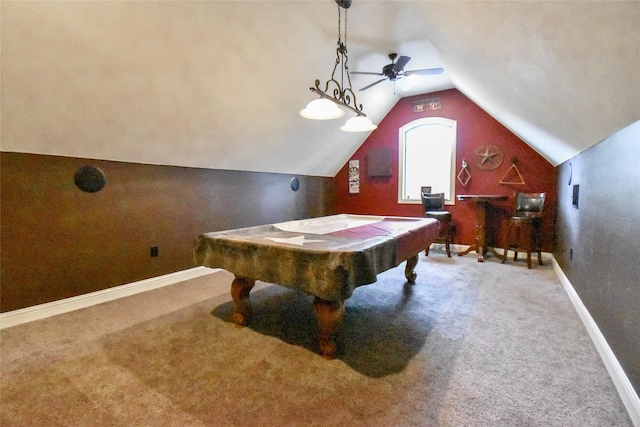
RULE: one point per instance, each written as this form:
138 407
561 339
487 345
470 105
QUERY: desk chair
433 204
523 229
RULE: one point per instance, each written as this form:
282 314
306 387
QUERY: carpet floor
469 344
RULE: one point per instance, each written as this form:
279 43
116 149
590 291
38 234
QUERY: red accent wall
379 195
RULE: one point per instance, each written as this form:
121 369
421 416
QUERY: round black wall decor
90 179
295 184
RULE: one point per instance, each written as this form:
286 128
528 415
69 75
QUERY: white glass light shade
322 109
404 84
358 124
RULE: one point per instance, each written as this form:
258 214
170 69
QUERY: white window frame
450 200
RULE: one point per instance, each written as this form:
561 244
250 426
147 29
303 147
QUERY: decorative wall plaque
489 157
354 176
427 104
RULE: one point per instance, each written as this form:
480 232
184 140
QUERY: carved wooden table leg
409 272
481 233
240 288
329 315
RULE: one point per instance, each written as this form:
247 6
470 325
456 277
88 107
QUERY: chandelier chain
339 23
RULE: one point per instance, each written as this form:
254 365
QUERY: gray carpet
470 344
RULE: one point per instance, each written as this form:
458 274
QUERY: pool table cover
327 257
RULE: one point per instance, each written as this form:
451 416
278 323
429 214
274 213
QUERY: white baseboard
29 314
627 393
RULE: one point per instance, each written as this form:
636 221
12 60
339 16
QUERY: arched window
427 158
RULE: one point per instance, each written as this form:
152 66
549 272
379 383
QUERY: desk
326 257
482 202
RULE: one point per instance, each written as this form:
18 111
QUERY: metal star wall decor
489 157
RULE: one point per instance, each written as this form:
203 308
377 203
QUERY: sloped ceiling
218 84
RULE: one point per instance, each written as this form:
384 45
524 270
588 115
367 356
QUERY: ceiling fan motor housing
388 71
395 70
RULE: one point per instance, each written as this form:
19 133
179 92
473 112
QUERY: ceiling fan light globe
322 109
358 124
404 84
413 79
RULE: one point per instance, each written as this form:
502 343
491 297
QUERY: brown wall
598 247
59 242
379 195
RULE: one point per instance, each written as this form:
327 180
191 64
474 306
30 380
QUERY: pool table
327 257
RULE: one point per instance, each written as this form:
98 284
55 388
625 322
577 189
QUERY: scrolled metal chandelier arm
337 91
341 96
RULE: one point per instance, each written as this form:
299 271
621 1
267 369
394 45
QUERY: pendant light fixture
336 93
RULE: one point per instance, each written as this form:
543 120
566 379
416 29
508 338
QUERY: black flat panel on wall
379 162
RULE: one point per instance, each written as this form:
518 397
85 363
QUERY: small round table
482 202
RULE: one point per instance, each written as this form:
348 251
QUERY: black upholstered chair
433 204
523 229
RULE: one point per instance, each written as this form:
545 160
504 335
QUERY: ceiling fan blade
366 72
402 61
373 84
424 72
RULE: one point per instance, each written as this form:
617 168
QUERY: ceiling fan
395 70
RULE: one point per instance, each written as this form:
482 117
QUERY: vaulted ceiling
219 84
